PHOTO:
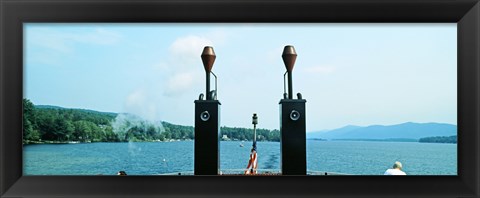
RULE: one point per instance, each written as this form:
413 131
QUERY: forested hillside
439 139
56 124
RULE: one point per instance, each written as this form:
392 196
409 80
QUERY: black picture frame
13 13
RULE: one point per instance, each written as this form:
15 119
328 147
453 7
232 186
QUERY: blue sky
350 74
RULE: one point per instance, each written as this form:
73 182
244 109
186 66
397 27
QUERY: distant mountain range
409 130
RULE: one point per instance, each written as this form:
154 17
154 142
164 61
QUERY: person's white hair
398 165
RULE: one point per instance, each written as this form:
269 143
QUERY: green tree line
58 124
246 134
50 123
439 139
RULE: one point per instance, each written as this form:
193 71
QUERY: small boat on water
241 145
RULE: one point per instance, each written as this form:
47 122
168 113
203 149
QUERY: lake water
152 158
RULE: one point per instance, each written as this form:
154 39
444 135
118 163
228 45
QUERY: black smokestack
208 58
289 56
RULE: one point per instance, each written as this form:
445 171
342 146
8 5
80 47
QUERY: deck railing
259 172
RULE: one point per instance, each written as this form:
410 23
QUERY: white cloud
184 64
139 102
188 49
177 76
180 83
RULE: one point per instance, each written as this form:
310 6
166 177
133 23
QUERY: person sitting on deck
396 170
122 173
252 163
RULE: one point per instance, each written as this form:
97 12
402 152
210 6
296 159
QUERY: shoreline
88 142
180 140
